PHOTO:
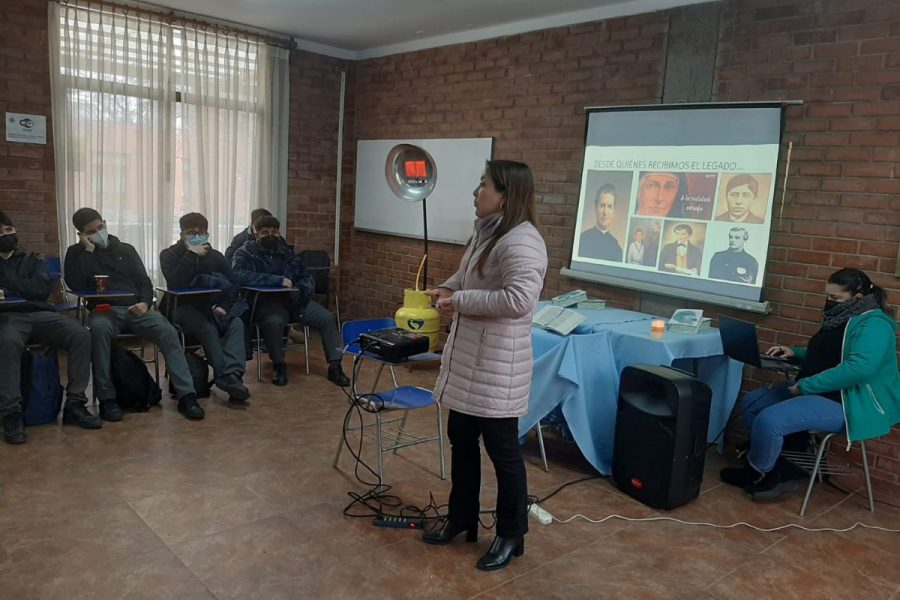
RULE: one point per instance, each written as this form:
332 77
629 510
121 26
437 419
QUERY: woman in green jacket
848 382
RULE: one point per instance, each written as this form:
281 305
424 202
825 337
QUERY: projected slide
679 197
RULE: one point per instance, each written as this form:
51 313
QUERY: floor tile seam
722 578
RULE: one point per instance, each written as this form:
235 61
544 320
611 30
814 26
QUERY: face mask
829 304
196 240
8 242
100 239
270 242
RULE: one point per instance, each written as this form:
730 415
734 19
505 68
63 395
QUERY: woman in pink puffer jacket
486 365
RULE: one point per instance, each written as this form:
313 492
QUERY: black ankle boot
77 414
336 374
14 429
280 376
448 532
111 411
501 552
187 405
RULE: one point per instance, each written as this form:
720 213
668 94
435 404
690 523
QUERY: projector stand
425 229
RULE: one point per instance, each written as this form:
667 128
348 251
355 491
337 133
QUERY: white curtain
153 120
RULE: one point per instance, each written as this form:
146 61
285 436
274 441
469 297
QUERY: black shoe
449 531
336 375
187 405
110 411
77 414
234 387
501 552
280 377
772 486
14 429
738 476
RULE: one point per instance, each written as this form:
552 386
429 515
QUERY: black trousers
501 440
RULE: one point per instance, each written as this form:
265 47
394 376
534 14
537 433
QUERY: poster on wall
26 129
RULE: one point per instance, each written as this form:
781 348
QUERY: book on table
557 319
569 298
688 320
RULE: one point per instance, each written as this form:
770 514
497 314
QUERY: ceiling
358 29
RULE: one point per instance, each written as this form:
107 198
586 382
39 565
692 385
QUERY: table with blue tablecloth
579 373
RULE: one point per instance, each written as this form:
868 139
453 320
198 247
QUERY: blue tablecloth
580 373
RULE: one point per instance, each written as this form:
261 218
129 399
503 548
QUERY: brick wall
528 92
27 180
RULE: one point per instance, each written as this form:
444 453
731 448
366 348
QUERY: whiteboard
451 212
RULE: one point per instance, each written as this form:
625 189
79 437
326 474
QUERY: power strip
398 522
540 514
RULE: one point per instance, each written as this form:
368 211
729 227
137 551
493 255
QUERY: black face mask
8 242
829 304
270 242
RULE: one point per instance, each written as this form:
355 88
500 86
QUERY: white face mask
100 239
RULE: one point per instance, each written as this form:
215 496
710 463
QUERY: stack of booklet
688 320
557 319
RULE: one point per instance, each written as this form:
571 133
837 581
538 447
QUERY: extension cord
540 514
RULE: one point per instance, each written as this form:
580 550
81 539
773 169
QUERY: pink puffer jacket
486 365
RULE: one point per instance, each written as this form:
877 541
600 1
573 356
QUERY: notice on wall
26 129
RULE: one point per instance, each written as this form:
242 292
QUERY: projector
393 343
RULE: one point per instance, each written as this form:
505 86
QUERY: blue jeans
770 413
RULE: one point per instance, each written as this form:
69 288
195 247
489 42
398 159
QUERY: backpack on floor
136 389
199 369
41 392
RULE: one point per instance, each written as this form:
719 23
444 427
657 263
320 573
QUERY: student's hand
439 293
219 311
201 250
445 304
139 309
782 351
86 242
287 283
794 390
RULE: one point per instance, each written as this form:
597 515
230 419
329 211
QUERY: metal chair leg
306 346
812 478
156 363
862 446
540 437
340 448
380 442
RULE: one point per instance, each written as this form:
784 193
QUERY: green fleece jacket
867 376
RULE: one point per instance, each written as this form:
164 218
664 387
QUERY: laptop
739 341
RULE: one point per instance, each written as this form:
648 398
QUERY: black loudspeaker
660 441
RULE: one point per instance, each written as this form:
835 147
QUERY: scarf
837 315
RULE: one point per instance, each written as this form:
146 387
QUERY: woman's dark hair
5 220
857 282
514 181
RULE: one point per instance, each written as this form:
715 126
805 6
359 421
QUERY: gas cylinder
418 315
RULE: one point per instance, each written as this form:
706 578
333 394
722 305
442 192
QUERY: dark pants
151 326
272 316
501 440
225 353
49 329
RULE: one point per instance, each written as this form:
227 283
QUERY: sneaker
77 414
110 411
280 376
187 405
234 387
14 428
336 375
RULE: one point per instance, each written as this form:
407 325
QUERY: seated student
25 274
848 381
214 321
267 260
246 235
99 253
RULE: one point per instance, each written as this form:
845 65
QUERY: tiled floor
245 504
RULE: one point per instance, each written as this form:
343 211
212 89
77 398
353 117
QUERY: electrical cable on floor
729 526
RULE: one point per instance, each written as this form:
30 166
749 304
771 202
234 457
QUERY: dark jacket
255 266
120 261
25 274
184 269
238 241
